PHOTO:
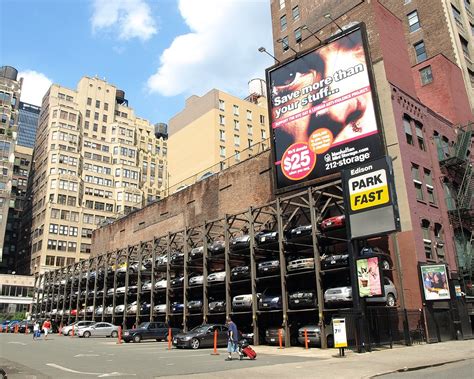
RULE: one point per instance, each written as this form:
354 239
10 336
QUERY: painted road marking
18 343
98 374
86 355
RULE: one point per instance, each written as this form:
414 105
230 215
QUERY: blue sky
158 51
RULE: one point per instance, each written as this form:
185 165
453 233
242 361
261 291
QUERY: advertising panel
323 117
369 279
435 282
339 329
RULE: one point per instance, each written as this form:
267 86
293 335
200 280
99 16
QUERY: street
459 370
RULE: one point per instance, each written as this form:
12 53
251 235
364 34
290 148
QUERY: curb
416 368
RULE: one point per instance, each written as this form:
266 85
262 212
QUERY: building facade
10 90
94 161
213 132
16 294
27 124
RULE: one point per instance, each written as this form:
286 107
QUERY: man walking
46 328
233 334
36 330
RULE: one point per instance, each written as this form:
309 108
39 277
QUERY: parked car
89 309
243 302
266 238
217 306
344 294
331 223
202 336
302 299
99 329
196 280
132 307
161 261
177 259
338 295
67 330
268 302
298 232
159 308
149 330
121 290
25 324
177 307
177 282
99 310
163 283
146 286
216 277
217 247
135 267
269 267
300 264
240 272
272 336
390 294
109 310
196 253
386 260
329 261
313 333
119 309
240 243
195 306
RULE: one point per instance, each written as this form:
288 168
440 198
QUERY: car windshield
200 329
143 325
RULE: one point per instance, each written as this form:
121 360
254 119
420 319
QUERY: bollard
60 330
16 329
27 329
72 331
1 329
215 352
170 338
280 339
119 336
306 339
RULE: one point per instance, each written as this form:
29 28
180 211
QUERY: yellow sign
339 329
368 190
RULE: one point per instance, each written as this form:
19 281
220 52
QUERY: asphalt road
65 357
458 370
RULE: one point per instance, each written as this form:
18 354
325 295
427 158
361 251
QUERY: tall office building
94 160
27 124
214 131
10 89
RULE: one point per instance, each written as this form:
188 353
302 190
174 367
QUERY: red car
335 222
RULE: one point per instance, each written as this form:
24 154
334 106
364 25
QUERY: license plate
272 339
265 305
298 232
297 301
333 262
265 269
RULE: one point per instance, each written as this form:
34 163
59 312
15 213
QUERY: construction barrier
119 335
280 338
170 338
215 352
306 339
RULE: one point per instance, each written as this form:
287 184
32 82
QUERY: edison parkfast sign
370 199
323 111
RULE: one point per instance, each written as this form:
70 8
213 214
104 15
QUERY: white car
195 280
54 312
90 309
132 308
99 310
160 308
109 310
243 302
163 283
119 309
67 330
216 277
99 329
300 264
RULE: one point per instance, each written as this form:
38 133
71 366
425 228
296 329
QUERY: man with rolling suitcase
233 336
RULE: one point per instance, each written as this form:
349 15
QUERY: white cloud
221 51
128 18
35 85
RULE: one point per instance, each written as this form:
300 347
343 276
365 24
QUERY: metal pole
186 277
78 300
168 279
228 298
139 282
130 250
117 254
88 275
71 293
104 284
205 299
94 300
253 279
152 290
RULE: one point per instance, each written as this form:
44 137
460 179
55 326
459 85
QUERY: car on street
67 330
240 273
300 264
216 277
269 267
217 306
302 299
313 334
25 324
202 336
272 336
99 329
148 331
269 302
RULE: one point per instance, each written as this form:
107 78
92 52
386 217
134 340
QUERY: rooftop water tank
161 130
9 72
257 87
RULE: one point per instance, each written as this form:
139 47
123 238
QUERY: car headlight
187 338
126 333
267 333
275 300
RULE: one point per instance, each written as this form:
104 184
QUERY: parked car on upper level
269 302
177 282
239 243
269 267
159 308
217 247
99 329
329 261
243 302
196 280
266 238
149 330
385 258
300 264
240 272
202 336
177 307
194 306
302 299
216 277
344 294
298 232
331 223
196 253
177 259
217 306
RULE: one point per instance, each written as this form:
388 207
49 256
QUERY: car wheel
330 340
137 338
87 334
391 301
385 265
69 332
114 334
195 343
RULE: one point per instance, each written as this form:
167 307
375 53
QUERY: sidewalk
353 366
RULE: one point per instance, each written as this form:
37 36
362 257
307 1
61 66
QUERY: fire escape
456 161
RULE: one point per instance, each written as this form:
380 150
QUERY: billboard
322 112
435 282
369 278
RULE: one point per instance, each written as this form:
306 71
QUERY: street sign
339 329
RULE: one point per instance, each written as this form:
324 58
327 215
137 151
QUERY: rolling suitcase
249 352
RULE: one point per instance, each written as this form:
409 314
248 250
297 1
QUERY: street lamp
328 16
263 50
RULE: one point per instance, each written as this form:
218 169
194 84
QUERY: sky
158 51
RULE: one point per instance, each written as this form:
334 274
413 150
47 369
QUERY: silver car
67 330
159 308
99 329
195 280
216 277
300 264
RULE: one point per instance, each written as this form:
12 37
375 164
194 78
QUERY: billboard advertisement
322 112
369 278
435 282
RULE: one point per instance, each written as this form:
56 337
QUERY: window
249 129
282 4
250 143
237 156
426 75
71 247
52 244
236 110
88 113
429 186
70 261
53 228
298 36
49 260
425 230
104 118
408 132
420 51
419 136
60 261
296 13
456 15
221 105
222 135
221 119
415 173
236 125
106 106
413 21
89 101
284 42
439 238
283 23
97 103
262 119
249 115
62 245
236 140
222 151
63 230
465 46
264 134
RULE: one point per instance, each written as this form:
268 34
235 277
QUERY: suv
67 330
148 331
243 302
302 299
240 272
269 267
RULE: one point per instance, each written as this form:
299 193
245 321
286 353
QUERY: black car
195 306
240 243
149 330
177 282
269 267
22 326
217 247
177 259
302 299
196 253
266 239
217 306
334 261
202 336
240 272
299 232
269 302
385 258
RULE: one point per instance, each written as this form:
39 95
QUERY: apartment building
94 161
214 131
28 115
10 90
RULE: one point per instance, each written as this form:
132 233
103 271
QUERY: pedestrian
36 330
46 328
233 339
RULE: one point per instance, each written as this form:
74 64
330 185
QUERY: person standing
233 339
36 330
46 328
